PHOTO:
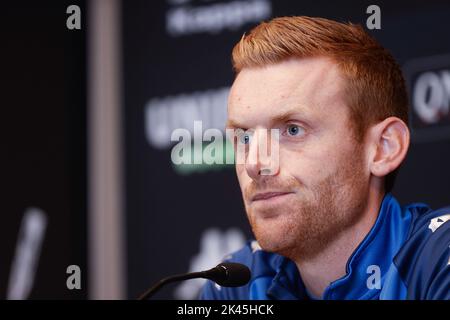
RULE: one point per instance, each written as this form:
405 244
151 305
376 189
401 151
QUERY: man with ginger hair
325 222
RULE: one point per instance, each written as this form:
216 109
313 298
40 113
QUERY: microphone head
230 274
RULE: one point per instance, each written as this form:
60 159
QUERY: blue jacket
406 255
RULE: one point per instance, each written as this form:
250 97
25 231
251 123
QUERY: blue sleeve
429 277
440 286
439 273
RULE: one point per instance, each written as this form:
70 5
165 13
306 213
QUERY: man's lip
268 195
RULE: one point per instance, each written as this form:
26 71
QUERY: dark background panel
44 148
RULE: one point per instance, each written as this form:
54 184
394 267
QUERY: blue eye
242 136
294 130
245 138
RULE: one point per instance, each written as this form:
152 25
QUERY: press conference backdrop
176 65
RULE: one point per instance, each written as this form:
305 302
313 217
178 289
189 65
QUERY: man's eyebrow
285 116
232 124
280 118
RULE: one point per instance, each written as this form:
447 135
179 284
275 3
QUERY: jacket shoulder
423 261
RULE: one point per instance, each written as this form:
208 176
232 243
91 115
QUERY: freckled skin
324 170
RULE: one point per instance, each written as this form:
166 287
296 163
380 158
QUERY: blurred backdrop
87 177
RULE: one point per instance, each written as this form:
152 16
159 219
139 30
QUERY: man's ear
390 141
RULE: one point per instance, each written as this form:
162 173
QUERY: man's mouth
268 195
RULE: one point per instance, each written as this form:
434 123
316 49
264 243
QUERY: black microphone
226 274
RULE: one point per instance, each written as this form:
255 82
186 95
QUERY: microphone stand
151 291
227 274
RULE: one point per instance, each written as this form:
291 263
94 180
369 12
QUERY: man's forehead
307 87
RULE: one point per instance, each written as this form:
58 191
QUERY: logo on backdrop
207 16
163 115
214 246
428 82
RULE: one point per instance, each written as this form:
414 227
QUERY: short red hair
375 87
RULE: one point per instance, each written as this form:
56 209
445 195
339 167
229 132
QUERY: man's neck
330 264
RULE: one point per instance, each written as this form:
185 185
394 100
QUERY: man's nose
259 161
